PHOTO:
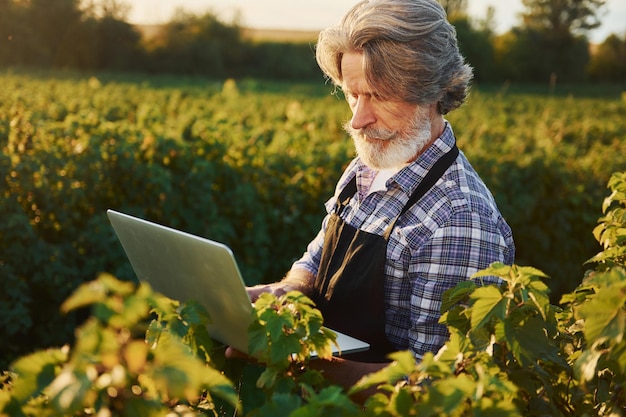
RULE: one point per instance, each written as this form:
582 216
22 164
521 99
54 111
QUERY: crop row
250 164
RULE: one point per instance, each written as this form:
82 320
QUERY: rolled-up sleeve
310 260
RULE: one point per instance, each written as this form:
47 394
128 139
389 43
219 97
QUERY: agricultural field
250 163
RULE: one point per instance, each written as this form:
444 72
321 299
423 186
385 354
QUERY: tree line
550 45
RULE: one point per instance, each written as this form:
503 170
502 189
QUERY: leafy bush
116 367
510 352
513 353
250 164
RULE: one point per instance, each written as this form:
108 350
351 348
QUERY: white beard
384 148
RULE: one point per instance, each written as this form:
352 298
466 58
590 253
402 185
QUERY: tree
6 30
118 45
454 8
50 22
562 17
476 46
201 45
101 9
608 62
551 44
529 55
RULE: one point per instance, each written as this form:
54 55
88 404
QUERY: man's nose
362 114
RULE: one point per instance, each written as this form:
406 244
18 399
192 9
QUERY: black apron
349 287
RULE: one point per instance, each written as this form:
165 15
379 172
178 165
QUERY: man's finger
233 353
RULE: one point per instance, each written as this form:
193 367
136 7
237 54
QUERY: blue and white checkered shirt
453 231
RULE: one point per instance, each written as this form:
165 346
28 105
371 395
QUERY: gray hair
410 52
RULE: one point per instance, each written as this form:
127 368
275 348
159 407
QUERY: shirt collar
409 177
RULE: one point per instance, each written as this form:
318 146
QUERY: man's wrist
298 280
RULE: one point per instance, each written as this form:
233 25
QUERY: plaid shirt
454 231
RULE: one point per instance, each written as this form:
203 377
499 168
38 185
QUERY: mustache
370 132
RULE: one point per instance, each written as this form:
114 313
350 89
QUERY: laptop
185 267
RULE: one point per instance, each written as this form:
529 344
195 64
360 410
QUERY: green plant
598 308
250 164
510 353
285 332
611 232
140 353
513 353
284 335
247 161
500 357
115 366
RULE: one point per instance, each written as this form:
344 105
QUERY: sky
318 14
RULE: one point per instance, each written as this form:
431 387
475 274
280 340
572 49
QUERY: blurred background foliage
251 163
549 45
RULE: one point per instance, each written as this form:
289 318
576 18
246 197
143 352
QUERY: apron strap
431 178
345 196
427 183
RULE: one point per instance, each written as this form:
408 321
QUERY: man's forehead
353 73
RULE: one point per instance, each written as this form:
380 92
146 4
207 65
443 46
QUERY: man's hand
346 373
296 280
232 353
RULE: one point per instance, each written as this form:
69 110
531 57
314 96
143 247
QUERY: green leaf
177 372
86 294
219 385
322 342
403 364
455 345
282 349
314 323
69 390
104 311
538 293
94 339
530 271
497 269
279 405
35 372
456 318
403 403
610 254
258 340
276 325
154 331
488 302
97 291
329 402
264 302
202 343
162 306
450 395
194 314
284 384
489 407
135 310
177 327
614 278
529 343
267 378
10 406
586 365
604 316
142 407
457 294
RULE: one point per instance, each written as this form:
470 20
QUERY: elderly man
410 217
